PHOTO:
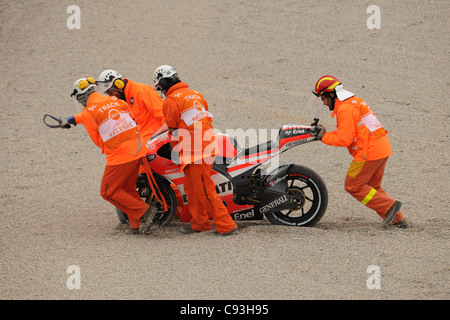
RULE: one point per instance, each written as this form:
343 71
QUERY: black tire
161 218
310 187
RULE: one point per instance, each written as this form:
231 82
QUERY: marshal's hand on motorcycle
318 131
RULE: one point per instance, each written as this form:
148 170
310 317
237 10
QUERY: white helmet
82 86
163 71
107 78
82 89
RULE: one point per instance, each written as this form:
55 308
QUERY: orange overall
192 136
359 130
146 106
147 109
108 123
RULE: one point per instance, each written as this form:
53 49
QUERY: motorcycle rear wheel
307 185
161 218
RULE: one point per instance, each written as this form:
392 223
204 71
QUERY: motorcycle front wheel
163 218
310 189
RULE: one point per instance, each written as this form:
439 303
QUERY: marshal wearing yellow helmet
359 130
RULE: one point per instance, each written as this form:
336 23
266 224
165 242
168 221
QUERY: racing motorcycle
289 194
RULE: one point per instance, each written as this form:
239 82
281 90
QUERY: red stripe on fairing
282 143
259 154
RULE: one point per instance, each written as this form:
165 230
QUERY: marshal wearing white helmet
107 79
164 77
82 88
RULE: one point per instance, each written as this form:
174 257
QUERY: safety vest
370 141
112 116
368 125
195 119
368 119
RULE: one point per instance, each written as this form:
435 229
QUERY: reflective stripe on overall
370 121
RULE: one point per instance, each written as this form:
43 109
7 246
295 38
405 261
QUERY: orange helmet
325 84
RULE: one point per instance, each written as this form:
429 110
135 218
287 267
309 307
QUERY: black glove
318 131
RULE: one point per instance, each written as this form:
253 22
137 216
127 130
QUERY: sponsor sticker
274 204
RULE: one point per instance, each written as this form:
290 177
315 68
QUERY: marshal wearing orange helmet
110 126
359 130
192 134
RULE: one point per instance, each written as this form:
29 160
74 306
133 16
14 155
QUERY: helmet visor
312 102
